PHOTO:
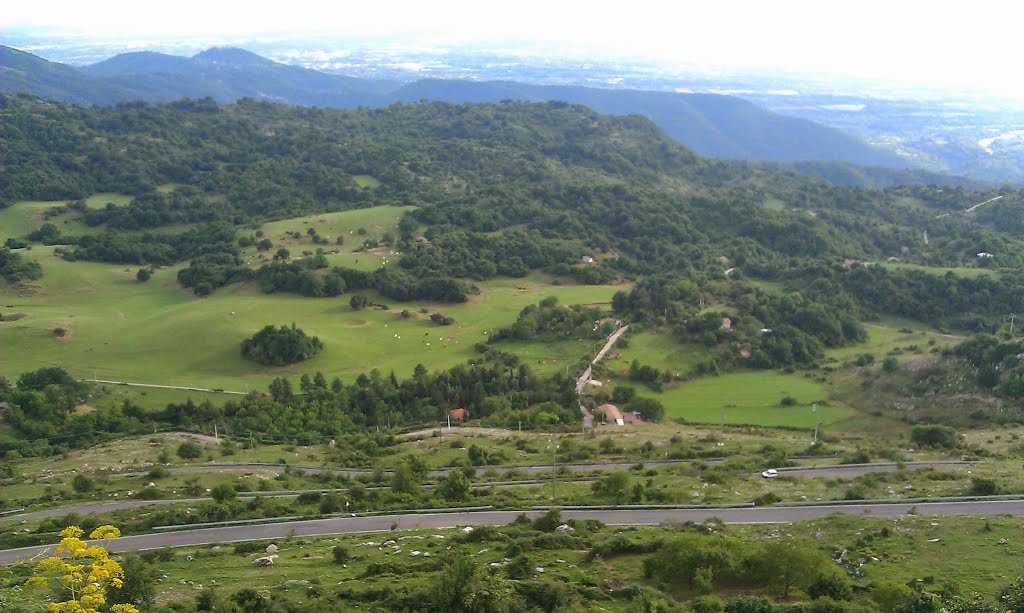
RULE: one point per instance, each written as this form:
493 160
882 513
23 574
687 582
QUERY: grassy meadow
353 227
749 397
157 332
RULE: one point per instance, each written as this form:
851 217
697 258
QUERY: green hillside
712 125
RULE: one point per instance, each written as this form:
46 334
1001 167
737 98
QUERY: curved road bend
347 525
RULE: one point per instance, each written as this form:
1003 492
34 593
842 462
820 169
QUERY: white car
771 473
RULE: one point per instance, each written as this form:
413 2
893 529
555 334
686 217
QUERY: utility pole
814 409
215 431
1012 317
554 474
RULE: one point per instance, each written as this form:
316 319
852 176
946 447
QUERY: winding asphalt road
347 525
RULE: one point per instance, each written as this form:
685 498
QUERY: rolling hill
712 125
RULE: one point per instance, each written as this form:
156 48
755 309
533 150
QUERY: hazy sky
963 45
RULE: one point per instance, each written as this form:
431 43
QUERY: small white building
587 259
985 254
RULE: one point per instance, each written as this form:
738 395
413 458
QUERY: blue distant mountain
712 125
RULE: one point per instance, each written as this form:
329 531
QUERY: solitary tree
456 487
404 480
464 585
224 492
189 450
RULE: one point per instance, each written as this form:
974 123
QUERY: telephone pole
814 409
554 474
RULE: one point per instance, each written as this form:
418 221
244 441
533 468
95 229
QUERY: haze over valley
429 308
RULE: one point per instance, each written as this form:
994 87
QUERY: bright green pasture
24 217
156 332
751 397
886 335
375 221
661 351
102 199
970 273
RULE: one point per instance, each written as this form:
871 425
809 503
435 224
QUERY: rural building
5 409
587 259
985 254
727 324
632 418
459 415
613 415
594 382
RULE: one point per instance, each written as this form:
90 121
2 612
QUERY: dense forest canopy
571 181
502 190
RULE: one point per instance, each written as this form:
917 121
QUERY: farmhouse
985 254
632 418
459 415
587 259
613 415
727 323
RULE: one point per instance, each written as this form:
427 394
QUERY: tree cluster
279 346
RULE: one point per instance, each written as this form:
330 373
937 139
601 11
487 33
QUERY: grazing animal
264 561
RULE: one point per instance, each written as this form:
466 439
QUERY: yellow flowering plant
81 573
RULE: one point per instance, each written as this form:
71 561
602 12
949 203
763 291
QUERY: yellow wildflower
72 532
105 532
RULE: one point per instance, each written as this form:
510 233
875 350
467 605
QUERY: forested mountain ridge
503 189
712 125
561 171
